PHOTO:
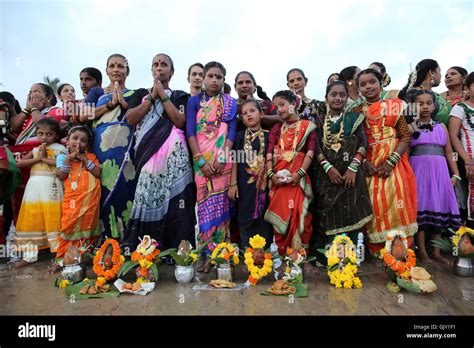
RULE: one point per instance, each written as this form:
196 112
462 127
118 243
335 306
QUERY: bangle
150 99
165 99
233 184
90 165
355 159
327 167
353 168
270 173
26 112
197 156
457 177
34 109
301 172
201 162
65 168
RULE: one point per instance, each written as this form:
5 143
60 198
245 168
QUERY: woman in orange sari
292 147
80 171
391 181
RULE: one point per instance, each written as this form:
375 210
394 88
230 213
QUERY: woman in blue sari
113 145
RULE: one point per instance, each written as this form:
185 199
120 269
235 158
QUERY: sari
394 199
288 208
112 143
163 207
80 208
212 199
444 109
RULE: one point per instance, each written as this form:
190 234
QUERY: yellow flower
268 263
63 283
248 255
122 258
248 262
255 276
287 270
332 261
257 242
194 257
140 280
236 259
142 250
86 280
347 284
357 282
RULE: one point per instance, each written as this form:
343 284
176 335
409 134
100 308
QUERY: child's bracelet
90 165
65 168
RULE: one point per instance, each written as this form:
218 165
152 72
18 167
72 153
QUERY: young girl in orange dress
291 149
390 178
80 171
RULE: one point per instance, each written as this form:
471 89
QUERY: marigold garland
343 268
256 273
218 252
401 268
117 261
459 233
145 261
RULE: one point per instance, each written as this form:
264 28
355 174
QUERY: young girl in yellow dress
39 221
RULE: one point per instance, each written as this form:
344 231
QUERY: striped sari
394 199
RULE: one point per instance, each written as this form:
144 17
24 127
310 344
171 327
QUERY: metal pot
74 273
463 267
224 272
184 274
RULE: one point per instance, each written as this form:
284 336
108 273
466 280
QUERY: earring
432 81
349 83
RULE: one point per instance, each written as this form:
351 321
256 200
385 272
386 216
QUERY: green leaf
126 267
322 251
166 252
177 258
410 286
442 244
309 259
154 271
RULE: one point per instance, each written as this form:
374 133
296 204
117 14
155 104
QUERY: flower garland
117 261
342 268
401 268
459 233
145 255
219 255
256 273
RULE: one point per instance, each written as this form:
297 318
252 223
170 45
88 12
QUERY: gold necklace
289 155
332 140
249 139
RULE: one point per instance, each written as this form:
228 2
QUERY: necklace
332 140
469 114
206 109
252 161
457 99
289 155
74 180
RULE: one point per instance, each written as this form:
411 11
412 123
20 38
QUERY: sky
59 38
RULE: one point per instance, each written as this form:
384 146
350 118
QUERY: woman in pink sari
211 127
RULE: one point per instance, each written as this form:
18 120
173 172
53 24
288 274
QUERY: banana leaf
126 267
154 271
443 244
410 286
166 252
73 290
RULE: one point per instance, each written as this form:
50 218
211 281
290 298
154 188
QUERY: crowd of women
123 163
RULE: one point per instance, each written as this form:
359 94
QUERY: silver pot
224 272
463 267
74 273
184 274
